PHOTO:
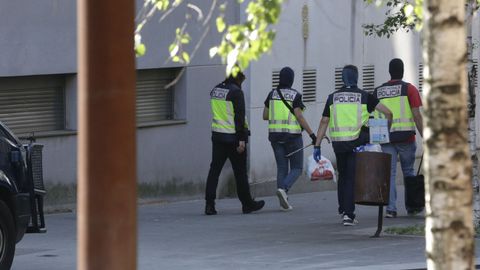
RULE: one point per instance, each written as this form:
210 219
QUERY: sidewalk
178 236
309 237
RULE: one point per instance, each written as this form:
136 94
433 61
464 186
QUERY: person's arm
322 129
383 109
241 131
265 113
417 117
302 121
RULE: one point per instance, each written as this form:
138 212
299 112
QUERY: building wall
41 40
336 38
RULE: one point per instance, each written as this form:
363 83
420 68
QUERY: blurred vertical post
107 229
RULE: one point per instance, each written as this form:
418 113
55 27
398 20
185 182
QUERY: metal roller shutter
154 103
32 104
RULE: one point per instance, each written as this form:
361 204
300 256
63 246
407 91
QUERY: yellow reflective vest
280 119
348 113
394 95
223 114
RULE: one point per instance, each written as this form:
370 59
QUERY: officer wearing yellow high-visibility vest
403 99
229 138
345 115
283 110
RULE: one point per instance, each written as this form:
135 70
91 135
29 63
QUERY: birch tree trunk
448 167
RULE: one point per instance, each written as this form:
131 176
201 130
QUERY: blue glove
317 153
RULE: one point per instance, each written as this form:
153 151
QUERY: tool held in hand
298 150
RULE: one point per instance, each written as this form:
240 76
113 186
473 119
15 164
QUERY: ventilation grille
338 78
475 74
420 77
309 85
368 78
275 78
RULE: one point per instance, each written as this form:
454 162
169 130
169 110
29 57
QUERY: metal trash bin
372 182
372 178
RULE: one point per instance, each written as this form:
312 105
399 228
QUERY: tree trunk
448 169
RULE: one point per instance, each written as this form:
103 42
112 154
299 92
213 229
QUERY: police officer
346 114
283 110
229 137
403 99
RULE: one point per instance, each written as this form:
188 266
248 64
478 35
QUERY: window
338 78
309 85
33 103
368 78
154 102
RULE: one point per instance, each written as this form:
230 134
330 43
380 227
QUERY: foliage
240 43
417 229
401 14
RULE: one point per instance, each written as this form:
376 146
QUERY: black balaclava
286 77
395 68
350 76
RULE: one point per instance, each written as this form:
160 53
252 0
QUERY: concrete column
107 229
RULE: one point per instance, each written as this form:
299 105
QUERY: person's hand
317 153
314 138
241 147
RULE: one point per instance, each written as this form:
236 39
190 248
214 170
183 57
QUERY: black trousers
346 183
220 153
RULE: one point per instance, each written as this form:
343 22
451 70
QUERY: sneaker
391 214
286 210
210 210
348 221
283 199
254 206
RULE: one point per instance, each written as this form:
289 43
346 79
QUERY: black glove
314 138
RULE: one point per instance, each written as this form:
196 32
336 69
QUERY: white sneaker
283 199
286 210
348 221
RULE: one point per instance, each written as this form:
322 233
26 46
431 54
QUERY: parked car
21 192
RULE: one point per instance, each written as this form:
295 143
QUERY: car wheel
7 237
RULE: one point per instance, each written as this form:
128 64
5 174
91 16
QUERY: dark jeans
346 183
220 153
288 168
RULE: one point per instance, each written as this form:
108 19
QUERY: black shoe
210 209
253 206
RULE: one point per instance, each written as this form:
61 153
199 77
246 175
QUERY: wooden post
107 229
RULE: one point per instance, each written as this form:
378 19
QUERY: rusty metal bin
372 178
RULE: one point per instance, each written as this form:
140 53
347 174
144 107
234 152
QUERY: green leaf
186 57
220 24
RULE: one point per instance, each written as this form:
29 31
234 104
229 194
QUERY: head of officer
350 76
395 68
286 77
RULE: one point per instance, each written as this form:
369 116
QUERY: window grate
368 78
33 103
275 78
154 102
420 77
338 78
309 85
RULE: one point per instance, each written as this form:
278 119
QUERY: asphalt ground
177 236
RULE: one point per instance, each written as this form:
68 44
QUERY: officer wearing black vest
229 138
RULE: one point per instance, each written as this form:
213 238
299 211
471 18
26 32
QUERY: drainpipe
107 229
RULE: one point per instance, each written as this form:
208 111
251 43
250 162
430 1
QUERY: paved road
176 236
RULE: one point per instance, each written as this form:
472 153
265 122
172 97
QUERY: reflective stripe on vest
347 116
396 101
281 119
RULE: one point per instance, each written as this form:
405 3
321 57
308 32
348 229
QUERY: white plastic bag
368 148
322 170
